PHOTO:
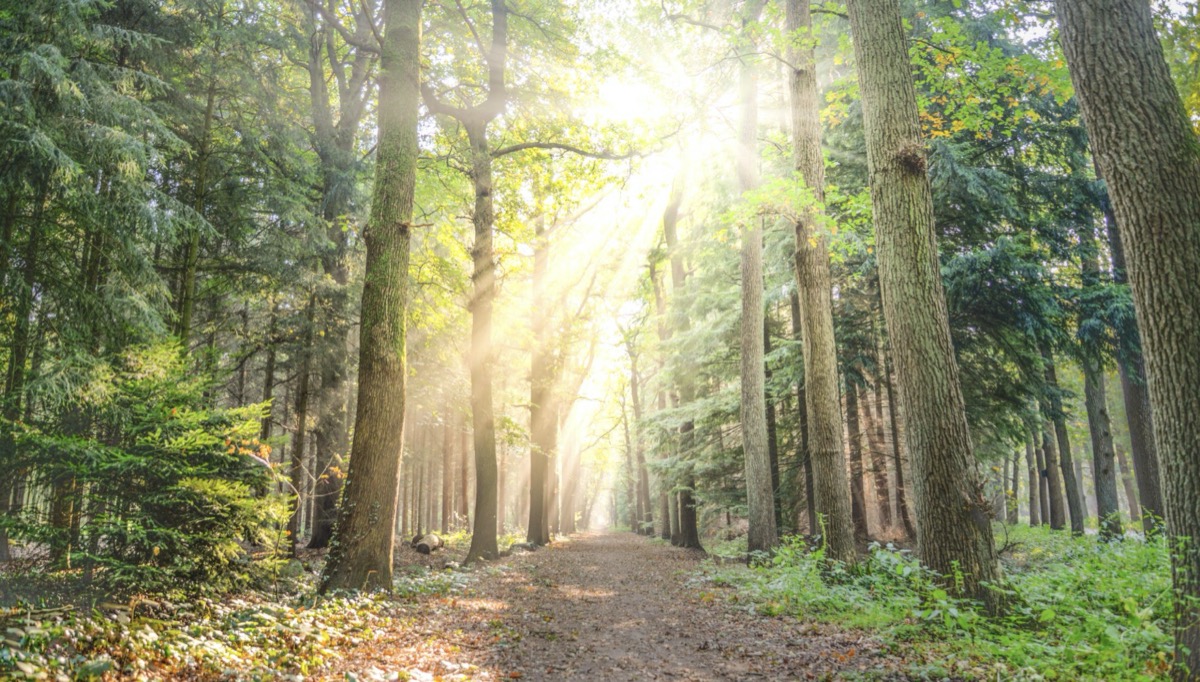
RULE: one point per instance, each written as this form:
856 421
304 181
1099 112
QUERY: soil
603 606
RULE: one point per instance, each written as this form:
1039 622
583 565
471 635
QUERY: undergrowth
255 636
1079 608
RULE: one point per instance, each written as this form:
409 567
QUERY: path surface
611 606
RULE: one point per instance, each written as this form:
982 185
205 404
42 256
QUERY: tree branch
611 156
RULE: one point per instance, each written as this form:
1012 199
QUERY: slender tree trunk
464 475
1132 369
268 393
1127 481
1071 484
363 542
300 435
1035 483
772 434
483 537
955 533
1012 516
910 529
831 487
1054 481
873 427
857 492
543 418
1104 465
447 470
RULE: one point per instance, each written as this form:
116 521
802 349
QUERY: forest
600 339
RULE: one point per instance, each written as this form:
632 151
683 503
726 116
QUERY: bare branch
611 156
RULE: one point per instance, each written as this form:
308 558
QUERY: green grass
1080 609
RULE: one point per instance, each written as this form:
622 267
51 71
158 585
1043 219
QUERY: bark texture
830 489
360 554
1146 150
954 531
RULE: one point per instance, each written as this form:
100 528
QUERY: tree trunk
543 417
955 533
762 535
464 475
363 542
1043 479
1012 507
802 452
1071 484
300 435
858 504
1054 481
831 487
910 529
873 427
1035 482
447 471
1145 149
772 433
1104 465
1132 369
1127 481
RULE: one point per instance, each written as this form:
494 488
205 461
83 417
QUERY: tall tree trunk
1035 482
464 475
1146 150
762 534
1128 483
802 451
831 487
1012 506
268 393
1132 369
858 503
483 536
1054 481
873 427
300 435
543 417
1104 465
955 533
1071 485
1043 478
363 543
447 470
772 433
910 529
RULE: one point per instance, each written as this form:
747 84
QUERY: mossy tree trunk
363 542
954 530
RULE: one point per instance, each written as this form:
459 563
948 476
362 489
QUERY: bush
1080 609
146 487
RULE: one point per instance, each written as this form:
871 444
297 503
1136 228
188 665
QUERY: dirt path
611 606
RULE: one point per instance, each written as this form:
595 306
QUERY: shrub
144 486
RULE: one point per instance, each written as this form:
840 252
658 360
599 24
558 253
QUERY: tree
830 487
760 495
954 531
1146 151
363 541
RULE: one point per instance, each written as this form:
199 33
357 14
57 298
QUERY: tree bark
543 417
858 504
300 434
910 529
447 471
762 535
955 533
830 488
1146 150
1054 481
1012 506
361 551
1128 483
1035 482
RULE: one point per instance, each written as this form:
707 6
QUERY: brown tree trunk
1054 482
830 488
858 504
1128 483
361 551
1132 369
873 427
300 434
1146 150
955 533
1035 483
1104 465
1071 484
543 416
1012 506
447 471
910 529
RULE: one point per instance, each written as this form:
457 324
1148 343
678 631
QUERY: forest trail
604 606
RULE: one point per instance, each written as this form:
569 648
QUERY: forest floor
603 606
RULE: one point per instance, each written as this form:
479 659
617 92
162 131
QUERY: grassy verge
1080 609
